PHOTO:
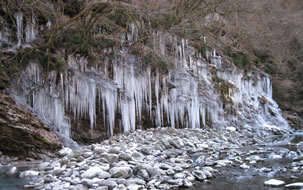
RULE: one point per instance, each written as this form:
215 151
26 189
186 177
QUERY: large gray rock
178 182
300 147
99 150
152 171
102 188
108 182
274 183
29 174
124 172
125 156
111 158
199 174
133 187
92 172
143 174
65 151
294 185
80 187
176 142
104 175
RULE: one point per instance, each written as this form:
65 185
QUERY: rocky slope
22 134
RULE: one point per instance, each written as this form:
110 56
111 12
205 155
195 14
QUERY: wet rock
166 142
125 156
58 171
187 183
65 151
172 153
88 182
108 182
221 163
178 182
114 150
294 185
200 161
135 181
80 187
164 166
123 172
99 150
12 171
170 172
119 180
49 179
43 166
199 174
274 183
291 154
244 166
231 129
68 173
133 187
147 151
120 187
152 171
104 175
300 147
266 170
102 188
87 154
29 174
176 143
143 174
274 156
180 176
111 158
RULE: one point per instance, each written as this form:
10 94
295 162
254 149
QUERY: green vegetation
240 59
74 42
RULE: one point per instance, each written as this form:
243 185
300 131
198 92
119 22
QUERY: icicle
19 19
49 24
31 31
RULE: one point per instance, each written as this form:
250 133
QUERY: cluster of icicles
24 36
185 97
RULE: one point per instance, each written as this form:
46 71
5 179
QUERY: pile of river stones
161 158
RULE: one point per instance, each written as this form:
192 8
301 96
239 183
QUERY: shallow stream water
8 182
14 182
236 178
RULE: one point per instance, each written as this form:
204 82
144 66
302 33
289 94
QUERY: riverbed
248 166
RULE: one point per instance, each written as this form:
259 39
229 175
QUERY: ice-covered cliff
121 93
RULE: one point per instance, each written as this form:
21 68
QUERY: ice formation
25 33
19 20
31 30
184 97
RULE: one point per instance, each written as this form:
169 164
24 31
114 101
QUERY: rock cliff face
21 133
